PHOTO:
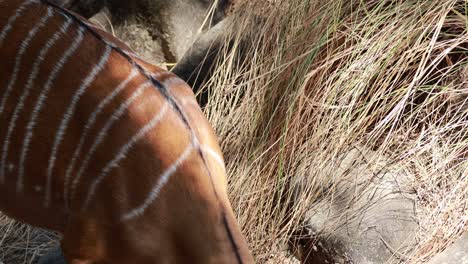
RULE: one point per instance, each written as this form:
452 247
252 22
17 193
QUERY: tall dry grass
319 78
20 243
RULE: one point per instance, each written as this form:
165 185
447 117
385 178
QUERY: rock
181 22
136 34
457 253
370 218
197 63
167 28
175 23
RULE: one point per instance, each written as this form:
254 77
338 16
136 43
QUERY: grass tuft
307 81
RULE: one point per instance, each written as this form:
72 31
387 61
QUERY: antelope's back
79 112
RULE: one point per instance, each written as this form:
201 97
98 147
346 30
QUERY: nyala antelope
108 150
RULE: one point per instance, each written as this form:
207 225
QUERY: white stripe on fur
9 25
89 124
123 152
162 180
19 56
44 93
60 134
34 73
208 150
103 133
11 126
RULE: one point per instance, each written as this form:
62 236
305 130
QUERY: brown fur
186 222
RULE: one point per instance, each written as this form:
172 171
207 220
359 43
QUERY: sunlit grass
320 78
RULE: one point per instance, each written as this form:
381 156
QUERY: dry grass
323 77
20 243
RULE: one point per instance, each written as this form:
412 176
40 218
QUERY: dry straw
305 81
316 79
